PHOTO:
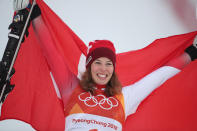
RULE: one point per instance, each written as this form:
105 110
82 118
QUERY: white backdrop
129 24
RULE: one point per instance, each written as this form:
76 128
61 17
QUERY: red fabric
33 100
144 61
171 107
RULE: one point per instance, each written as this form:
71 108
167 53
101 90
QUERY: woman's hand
20 4
192 50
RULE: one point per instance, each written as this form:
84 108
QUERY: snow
129 24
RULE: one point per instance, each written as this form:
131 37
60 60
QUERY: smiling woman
100 68
100 92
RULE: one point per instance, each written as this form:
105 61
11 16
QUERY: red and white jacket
98 112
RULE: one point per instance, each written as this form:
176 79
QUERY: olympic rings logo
101 100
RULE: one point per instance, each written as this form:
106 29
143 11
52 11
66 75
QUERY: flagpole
9 73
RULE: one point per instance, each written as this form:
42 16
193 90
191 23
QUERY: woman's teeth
102 76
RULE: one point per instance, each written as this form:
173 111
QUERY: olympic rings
102 103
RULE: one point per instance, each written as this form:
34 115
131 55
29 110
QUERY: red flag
34 100
171 106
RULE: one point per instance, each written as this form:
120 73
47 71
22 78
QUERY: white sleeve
134 94
15 125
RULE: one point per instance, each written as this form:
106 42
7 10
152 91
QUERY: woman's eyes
109 64
99 63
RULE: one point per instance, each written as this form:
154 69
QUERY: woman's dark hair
113 87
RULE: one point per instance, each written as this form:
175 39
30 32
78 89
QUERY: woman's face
102 70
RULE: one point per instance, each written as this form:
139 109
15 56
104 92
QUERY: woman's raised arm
58 67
